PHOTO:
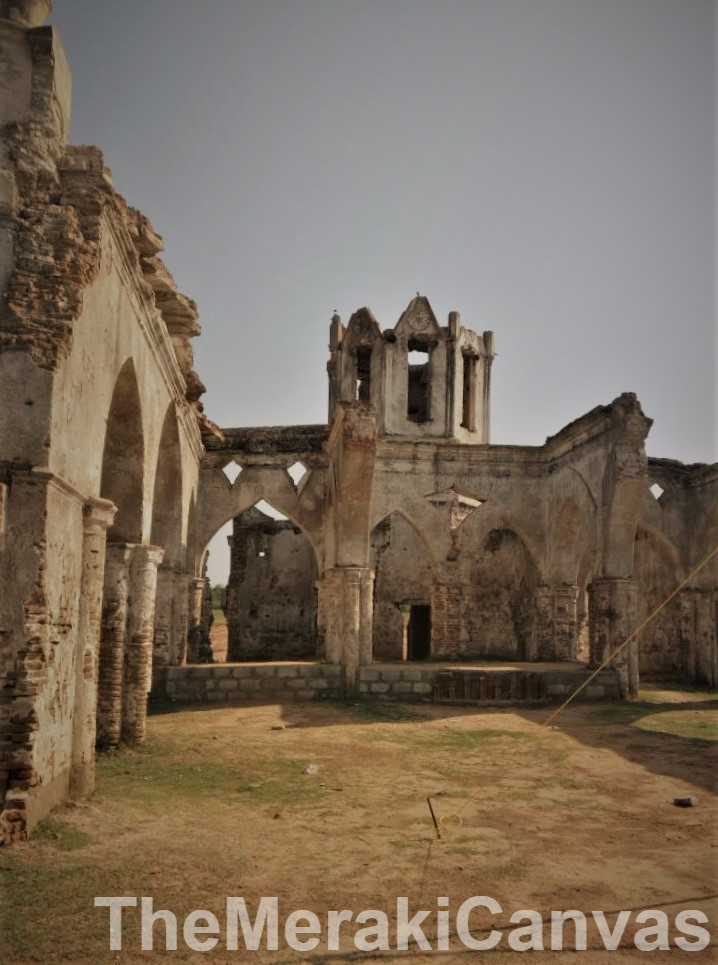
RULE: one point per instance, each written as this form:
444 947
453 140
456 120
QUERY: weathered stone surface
408 538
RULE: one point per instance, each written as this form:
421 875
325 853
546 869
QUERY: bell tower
425 380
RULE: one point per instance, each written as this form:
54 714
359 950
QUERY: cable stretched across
630 637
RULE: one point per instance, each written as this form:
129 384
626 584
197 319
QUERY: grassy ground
216 804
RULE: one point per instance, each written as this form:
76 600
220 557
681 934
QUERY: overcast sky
545 167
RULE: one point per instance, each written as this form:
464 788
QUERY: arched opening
363 374
122 684
418 393
123 458
172 591
167 499
660 651
271 599
499 610
403 578
215 569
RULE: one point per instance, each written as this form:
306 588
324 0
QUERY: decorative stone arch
220 501
208 530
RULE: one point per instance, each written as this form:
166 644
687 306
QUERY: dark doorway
419 642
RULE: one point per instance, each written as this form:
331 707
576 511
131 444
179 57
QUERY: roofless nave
423 539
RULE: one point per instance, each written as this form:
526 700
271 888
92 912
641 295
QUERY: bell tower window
363 379
468 408
419 382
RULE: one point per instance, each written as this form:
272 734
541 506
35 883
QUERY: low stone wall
286 682
228 683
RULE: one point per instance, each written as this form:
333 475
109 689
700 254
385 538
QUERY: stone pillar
194 637
112 643
566 621
170 585
612 617
180 621
98 516
140 633
556 628
699 629
347 607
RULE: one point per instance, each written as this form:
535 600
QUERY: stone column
556 630
180 617
112 643
194 638
140 633
566 621
612 617
347 608
98 516
164 625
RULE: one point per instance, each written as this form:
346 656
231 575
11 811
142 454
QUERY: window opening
419 382
363 380
232 471
468 418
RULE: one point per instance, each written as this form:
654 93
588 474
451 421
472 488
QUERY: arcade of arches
408 535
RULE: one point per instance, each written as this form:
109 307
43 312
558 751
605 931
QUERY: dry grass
216 804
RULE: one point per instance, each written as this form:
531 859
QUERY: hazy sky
545 167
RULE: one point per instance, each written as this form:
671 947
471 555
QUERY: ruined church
410 541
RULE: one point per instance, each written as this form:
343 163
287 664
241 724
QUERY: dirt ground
216 804
218 640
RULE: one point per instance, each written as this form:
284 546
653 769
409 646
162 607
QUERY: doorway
419 632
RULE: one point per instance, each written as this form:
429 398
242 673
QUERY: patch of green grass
64 836
162 770
692 724
154 771
31 916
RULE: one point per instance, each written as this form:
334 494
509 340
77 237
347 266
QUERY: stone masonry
418 559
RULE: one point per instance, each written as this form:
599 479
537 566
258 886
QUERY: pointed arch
474 531
123 458
167 499
404 577
218 503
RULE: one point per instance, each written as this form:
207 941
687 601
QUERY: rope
631 636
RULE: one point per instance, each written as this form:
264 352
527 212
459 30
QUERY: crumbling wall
81 307
271 595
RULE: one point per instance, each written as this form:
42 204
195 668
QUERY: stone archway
172 602
403 589
125 663
271 605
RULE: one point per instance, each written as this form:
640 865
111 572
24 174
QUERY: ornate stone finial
28 13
